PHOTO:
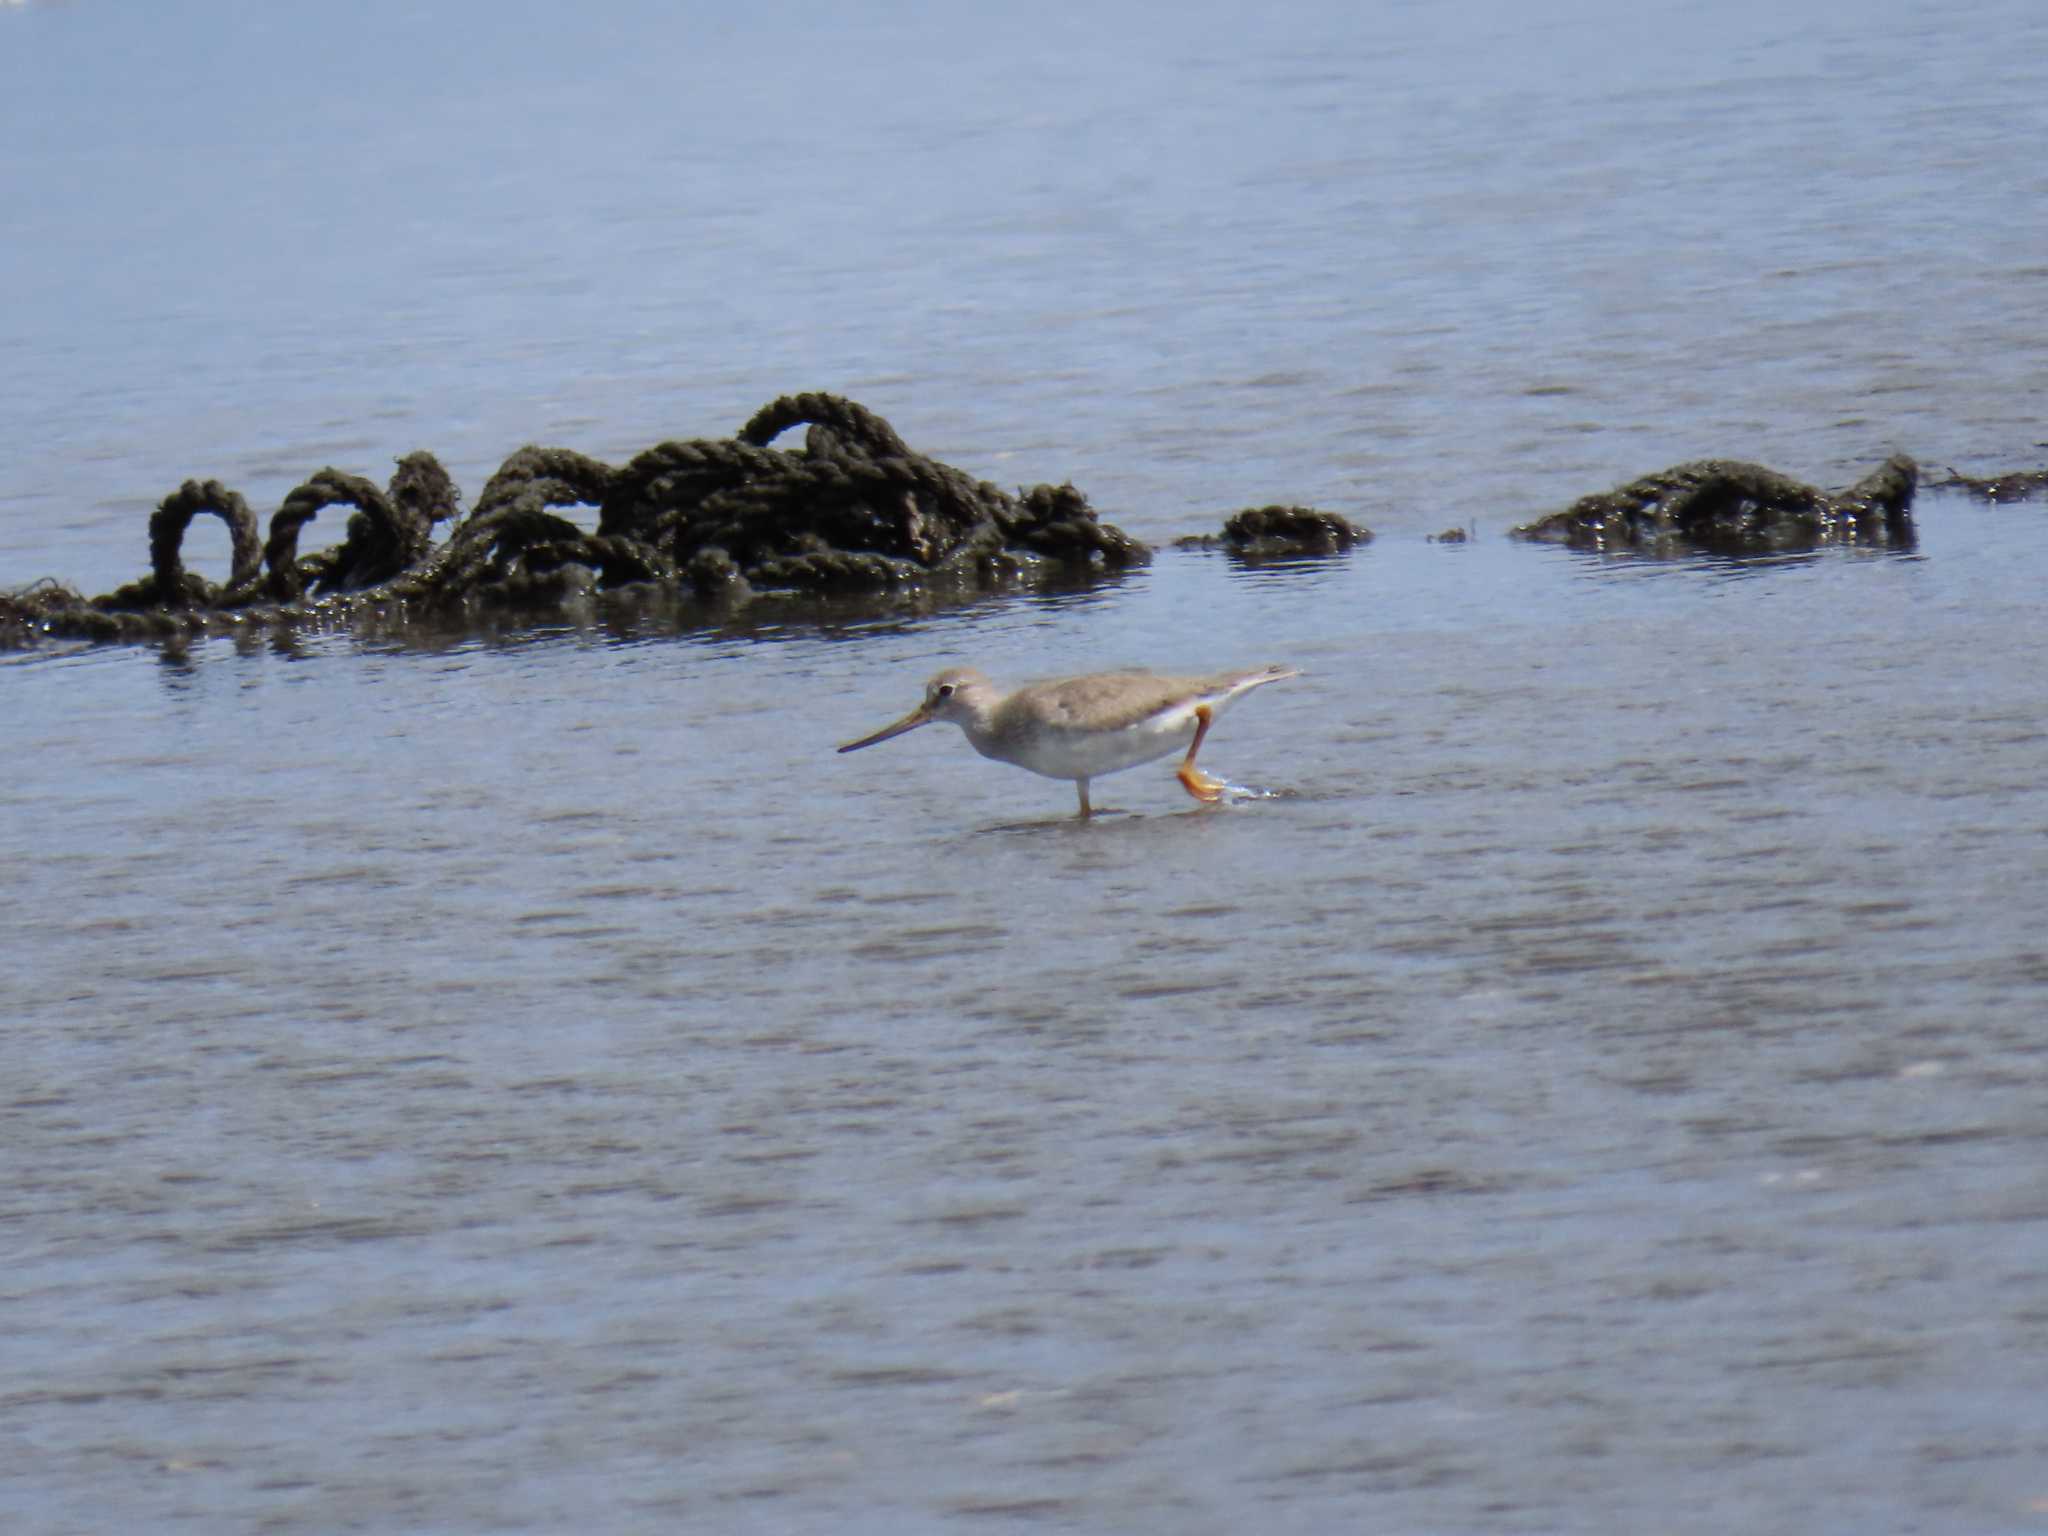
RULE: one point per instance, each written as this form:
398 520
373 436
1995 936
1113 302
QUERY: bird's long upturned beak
921 715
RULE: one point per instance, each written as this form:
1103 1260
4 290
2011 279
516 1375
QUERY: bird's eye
944 690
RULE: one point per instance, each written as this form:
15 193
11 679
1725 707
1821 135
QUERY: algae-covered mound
1726 507
1281 533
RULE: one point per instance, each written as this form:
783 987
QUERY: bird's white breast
1063 752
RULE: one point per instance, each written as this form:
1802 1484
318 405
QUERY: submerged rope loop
848 420
167 525
385 536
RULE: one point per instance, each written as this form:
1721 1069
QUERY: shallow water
501 1082
1602 1088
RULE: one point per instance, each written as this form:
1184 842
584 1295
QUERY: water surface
526 1079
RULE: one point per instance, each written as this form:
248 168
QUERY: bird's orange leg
1204 787
1086 809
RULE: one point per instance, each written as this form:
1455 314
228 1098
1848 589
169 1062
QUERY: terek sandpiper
1082 727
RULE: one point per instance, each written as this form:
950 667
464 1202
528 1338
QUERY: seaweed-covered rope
854 509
